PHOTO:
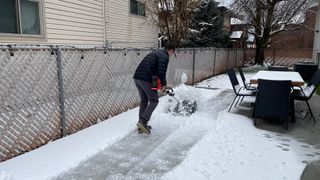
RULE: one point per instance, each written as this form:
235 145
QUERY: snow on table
294 77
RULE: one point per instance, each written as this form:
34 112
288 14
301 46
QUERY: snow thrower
184 108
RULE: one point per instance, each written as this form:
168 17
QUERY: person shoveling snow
149 77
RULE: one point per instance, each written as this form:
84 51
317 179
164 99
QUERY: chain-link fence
47 93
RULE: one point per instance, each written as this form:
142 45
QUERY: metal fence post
244 56
214 61
61 93
227 60
235 59
274 55
193 65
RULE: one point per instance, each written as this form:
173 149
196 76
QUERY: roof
250 38
236 34
236 21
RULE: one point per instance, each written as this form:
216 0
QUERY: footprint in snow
285 144
305 146
310 155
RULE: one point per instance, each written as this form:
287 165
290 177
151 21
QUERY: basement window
20 17
137 8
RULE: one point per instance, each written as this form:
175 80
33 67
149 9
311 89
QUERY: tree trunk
258 36
259 58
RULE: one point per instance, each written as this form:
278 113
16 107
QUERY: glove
168 90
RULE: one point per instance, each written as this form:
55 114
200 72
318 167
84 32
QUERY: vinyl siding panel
81 22
127 30
74 22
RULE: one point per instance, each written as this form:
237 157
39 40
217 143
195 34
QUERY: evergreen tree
206 29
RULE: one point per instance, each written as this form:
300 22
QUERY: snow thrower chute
184 108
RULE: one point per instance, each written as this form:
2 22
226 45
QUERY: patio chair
273 101
306 93
239 91
278 68
305 69
246 85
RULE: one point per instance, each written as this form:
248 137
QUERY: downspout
104 22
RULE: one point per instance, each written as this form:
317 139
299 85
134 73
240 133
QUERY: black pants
148 100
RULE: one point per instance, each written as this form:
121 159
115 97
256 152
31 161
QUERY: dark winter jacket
154 63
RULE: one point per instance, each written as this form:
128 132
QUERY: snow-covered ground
209 144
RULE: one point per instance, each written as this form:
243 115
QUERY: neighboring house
239 34
238 39
226 14
78 22
302 37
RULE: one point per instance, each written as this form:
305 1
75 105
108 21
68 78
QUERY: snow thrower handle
169 91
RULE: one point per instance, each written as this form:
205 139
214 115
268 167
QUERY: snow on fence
49 92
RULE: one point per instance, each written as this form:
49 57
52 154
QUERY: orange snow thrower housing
156 83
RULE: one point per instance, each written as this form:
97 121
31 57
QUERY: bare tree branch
172 17
269 17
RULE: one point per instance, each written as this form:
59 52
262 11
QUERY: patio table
294 77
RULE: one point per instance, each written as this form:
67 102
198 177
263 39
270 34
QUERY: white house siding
78 22
124 29
81 22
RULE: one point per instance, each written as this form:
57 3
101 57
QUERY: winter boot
143 127
140 131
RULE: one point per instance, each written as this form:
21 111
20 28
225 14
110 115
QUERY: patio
304 130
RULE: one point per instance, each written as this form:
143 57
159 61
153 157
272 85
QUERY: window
20 17
137 8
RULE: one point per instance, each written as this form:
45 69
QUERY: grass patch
318 90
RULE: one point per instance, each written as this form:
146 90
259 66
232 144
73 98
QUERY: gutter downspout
104 22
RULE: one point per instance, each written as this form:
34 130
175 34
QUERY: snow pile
5 176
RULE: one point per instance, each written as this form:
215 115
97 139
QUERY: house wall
74 22
226 22
301 38
90 22
124 29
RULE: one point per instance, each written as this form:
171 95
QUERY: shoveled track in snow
139 156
